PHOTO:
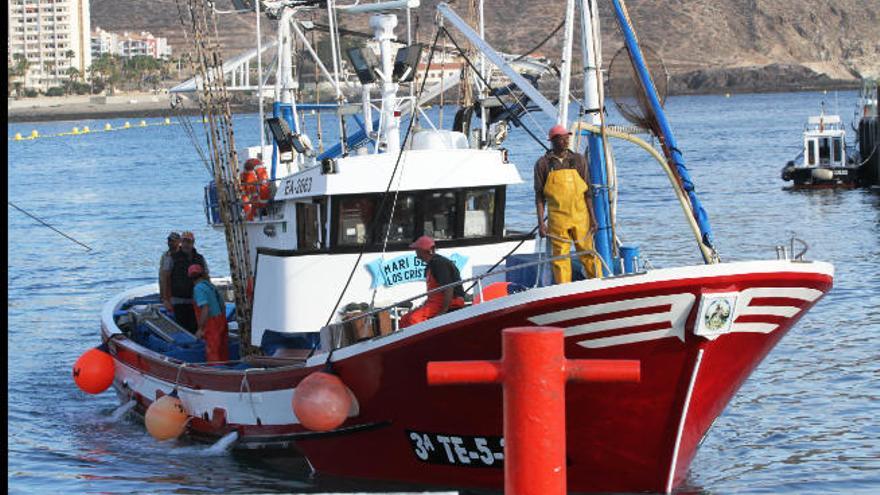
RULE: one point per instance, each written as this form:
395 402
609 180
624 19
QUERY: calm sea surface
805 422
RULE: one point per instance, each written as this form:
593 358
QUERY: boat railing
334 331
784 252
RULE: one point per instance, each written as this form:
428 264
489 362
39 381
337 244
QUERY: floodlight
406 62
364 62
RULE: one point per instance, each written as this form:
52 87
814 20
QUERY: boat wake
222 446
119 413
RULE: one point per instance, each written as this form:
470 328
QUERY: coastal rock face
707 45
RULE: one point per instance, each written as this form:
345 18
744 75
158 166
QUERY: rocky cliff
707 45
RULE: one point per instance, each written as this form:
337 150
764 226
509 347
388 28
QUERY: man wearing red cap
210 313
561 182
440 271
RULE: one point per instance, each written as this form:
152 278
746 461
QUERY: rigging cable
492 91
539 45
88 248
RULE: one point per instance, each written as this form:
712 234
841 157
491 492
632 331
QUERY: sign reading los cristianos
404 269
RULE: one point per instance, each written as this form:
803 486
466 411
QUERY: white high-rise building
53 35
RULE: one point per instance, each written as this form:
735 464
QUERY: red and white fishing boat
698 331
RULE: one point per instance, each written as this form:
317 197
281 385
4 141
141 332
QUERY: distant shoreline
60 109
64 111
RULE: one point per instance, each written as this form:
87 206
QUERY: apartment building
127 44
53 36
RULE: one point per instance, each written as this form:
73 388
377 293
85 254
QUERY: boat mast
383 28
484 90
334 48
565 76
603 239
285 105
257 8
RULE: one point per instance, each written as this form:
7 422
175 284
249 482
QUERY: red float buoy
166 418
321 401
93 372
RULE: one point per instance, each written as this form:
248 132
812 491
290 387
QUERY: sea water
804 422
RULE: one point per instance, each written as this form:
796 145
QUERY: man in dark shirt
562 183
440 271
181 296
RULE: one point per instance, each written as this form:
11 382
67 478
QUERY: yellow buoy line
82 131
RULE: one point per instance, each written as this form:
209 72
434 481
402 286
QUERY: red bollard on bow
533 371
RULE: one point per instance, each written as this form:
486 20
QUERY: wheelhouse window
479 213
445 215
401 228
824 151
838 150
440 214
811 152
355 217
308 226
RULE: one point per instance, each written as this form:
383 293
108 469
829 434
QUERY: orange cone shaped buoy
321 401
166 418
93 372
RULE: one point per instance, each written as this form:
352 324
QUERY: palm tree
107 70
18 70
73 77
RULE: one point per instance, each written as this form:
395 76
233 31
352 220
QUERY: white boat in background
332 273
826 160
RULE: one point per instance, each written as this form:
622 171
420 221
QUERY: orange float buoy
492 291
166 418
321 401
93 372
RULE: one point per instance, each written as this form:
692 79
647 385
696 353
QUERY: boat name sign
457 450
404 269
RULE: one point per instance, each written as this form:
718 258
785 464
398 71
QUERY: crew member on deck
181 286
561 182
165 265
440 271
210 314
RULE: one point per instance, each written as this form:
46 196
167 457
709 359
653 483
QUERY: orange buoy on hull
93 372
166 418
321 401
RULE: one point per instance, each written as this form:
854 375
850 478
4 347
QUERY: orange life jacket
248 192
264 190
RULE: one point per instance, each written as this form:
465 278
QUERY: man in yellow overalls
561 182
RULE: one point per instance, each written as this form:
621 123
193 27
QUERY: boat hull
822 177
620 437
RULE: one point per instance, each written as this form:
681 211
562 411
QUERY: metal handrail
610 271
476 278
799 256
